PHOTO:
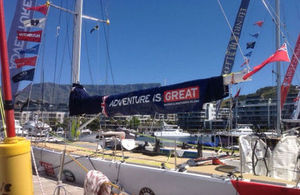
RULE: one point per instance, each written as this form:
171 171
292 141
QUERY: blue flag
250 45
248 54
255 35
32 50
24 75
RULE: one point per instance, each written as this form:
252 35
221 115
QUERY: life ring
146 191
69 176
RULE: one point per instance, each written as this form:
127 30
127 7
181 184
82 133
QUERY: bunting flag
235 98
24 75
34 36
245 62
32 50
95 28
280 55
42 8
250 45
259 23
248 54
289 75
20 62
237 93
39 22
14 46
255 35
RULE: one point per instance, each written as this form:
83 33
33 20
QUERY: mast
8 104
77 42
278 74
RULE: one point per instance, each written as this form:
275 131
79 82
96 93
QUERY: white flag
35 22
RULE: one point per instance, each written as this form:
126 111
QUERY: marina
122 142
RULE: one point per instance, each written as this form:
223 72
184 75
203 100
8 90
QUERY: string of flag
251 45
280 55
30 36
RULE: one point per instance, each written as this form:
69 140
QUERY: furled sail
183 97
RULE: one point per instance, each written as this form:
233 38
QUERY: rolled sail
183 97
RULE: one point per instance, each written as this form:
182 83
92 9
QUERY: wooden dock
49 186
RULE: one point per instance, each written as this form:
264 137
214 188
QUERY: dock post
199 147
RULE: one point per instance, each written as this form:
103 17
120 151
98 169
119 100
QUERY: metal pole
8 104
277 22
77 42
61 168
269 102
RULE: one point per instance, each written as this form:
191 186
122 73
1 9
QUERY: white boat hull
133 178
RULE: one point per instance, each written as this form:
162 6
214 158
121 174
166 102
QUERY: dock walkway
49 186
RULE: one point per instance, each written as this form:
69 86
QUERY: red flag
237 93
246 62
30 36
20 62
42 8
259 23
280 55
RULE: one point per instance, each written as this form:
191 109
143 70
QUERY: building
52 118
262 113
205 119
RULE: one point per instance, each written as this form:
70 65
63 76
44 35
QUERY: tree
94 125
134 122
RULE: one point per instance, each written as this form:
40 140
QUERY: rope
37 172
2 114
86 170
77 162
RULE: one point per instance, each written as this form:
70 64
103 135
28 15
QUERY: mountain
267 92
59 94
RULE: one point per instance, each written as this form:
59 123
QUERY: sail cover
184 97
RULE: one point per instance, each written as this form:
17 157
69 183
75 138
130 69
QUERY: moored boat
168 130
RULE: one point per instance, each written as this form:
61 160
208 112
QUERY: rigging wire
273 16
87 54
227 21
56 54
257 40
66 46
106 38
270 10
288 37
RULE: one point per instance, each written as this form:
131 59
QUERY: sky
166 41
